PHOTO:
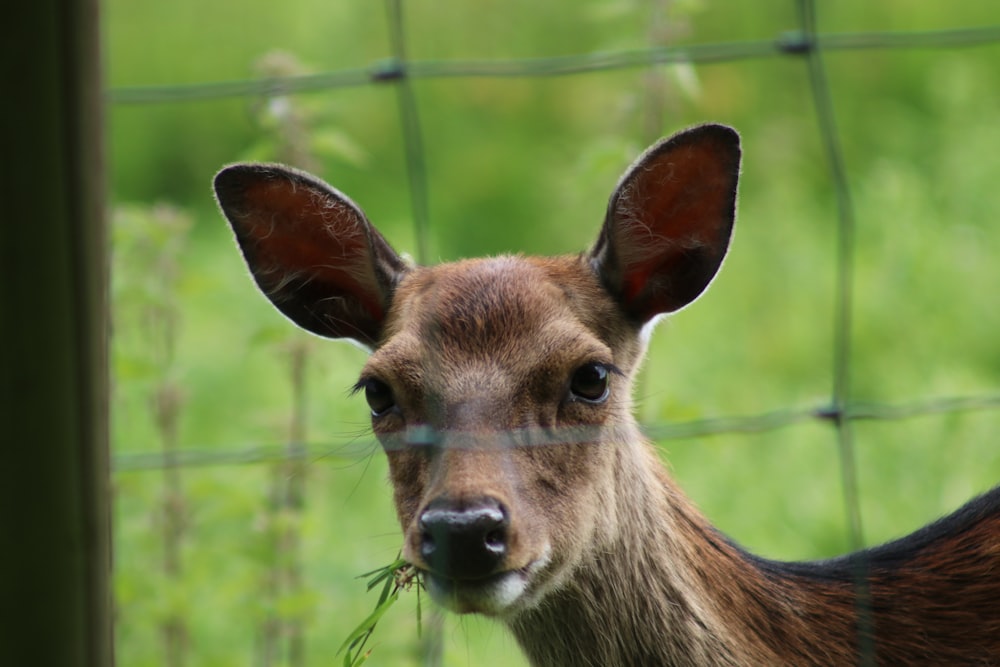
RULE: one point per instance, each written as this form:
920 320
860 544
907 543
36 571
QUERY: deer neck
652 594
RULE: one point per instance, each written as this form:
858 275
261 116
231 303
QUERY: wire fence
807 44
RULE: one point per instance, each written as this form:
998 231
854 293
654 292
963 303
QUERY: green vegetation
253 557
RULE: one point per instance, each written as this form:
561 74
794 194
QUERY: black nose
464 540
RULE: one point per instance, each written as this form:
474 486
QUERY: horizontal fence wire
396 68
351 450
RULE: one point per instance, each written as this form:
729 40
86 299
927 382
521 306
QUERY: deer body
500 390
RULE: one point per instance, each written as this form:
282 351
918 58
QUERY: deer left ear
669 222
311 250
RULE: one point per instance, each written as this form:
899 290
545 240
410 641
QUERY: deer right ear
669 222
311 250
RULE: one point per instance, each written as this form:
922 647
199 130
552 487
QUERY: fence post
54 506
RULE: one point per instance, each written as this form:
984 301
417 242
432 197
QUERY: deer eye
590 383
378 394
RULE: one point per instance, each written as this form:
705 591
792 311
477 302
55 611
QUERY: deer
500 391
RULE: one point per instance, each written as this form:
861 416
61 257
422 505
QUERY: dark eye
379 396
590 383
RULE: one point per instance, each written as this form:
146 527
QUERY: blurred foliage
526 165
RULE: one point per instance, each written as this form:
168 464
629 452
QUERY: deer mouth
495 595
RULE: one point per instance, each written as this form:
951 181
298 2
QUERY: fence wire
398 70
805 43
350 449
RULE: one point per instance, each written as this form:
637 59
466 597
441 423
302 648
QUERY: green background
202 362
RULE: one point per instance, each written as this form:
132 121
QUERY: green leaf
366 626
396 576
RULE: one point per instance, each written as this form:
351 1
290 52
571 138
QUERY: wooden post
54 500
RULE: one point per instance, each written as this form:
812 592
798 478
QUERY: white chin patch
497 595
491 596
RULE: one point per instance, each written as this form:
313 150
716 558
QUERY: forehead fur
490 308
478 305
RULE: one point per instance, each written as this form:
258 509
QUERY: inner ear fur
310 249
669 222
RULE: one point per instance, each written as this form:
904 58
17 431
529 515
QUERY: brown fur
597 557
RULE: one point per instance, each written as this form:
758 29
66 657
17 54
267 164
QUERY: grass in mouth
397 576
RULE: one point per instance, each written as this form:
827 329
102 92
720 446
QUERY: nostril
464 540
496 539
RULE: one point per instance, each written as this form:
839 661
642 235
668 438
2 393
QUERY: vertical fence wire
844 283
432 633
842 320
413 143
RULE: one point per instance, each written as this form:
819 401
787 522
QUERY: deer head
500 387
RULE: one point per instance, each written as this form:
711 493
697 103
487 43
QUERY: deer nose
466 540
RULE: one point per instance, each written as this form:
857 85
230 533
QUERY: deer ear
669 222
311 250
